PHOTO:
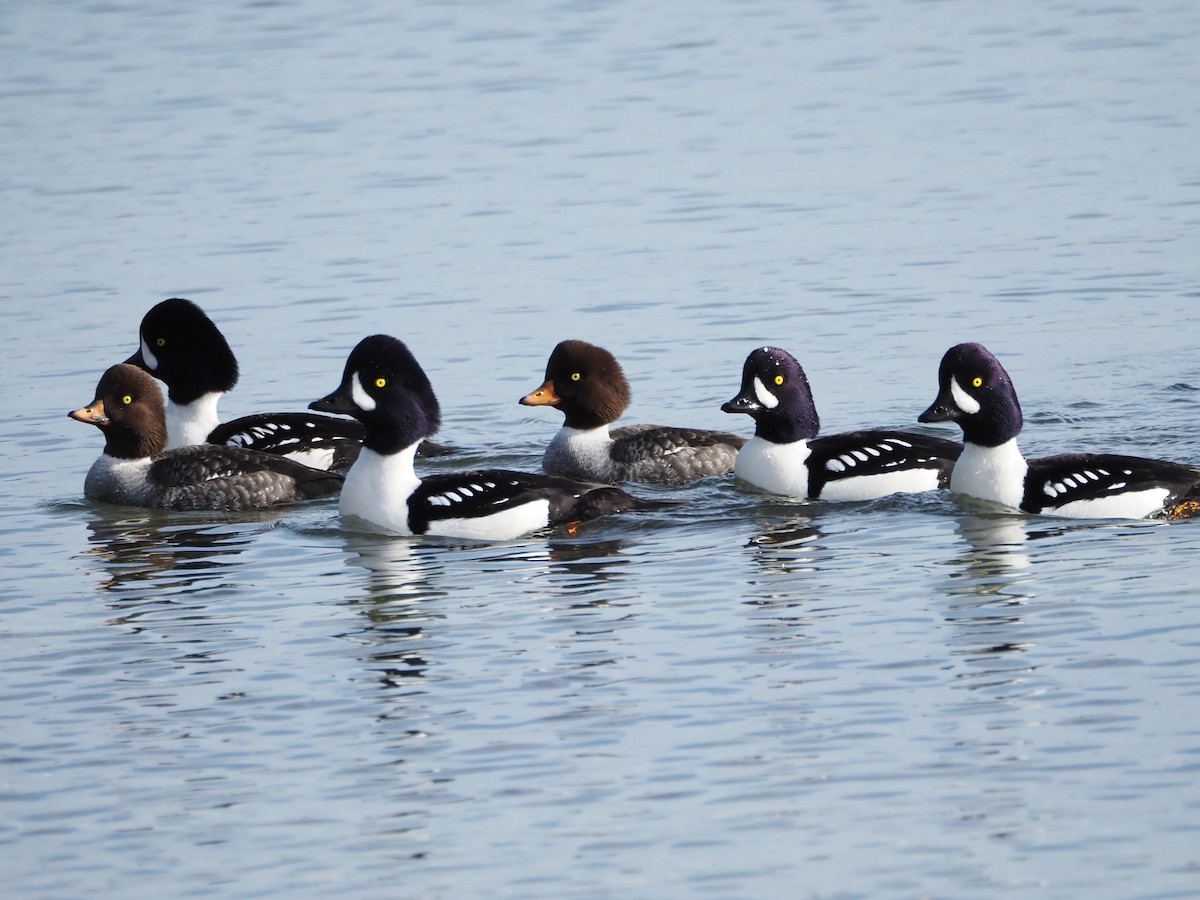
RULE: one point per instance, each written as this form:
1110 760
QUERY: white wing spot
835 466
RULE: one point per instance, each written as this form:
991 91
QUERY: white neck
191 423
991 473
778 468
377 489
120 481
579 453
589 436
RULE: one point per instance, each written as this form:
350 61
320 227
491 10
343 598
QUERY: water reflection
397 603
787 548
987 597
587 572
581 565
164 574
994 556
403 595
783 606
155 549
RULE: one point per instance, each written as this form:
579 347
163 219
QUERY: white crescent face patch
362 399
962 399
765 397
150 359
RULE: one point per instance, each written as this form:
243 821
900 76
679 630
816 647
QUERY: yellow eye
162 342
380 382
575 376
779 379
976 381
127 399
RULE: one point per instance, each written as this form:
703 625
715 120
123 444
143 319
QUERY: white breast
120 481
192 423
580 453
377 489
778 468
996 474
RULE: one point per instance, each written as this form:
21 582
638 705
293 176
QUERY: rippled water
738 698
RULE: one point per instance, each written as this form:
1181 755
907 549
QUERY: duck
587 384
384 387
976 392
136 469
181 346
786 456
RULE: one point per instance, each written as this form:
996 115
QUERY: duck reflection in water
569 568
994 554
399 604
989 593
789 547
403 598
166 551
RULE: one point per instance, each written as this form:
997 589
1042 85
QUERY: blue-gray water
737 698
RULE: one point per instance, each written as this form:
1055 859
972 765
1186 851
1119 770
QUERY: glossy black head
775 393
129 410
584 381
385 388
180 345
976 392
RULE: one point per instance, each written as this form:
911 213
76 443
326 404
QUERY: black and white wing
445 503
321 442
902 454
1055 481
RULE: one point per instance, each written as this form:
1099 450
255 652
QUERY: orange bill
543 396
91 415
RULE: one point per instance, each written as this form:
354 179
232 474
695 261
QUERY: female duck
976 392
785 456
385 388
136 469
586 382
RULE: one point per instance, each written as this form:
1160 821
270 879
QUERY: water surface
740 698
